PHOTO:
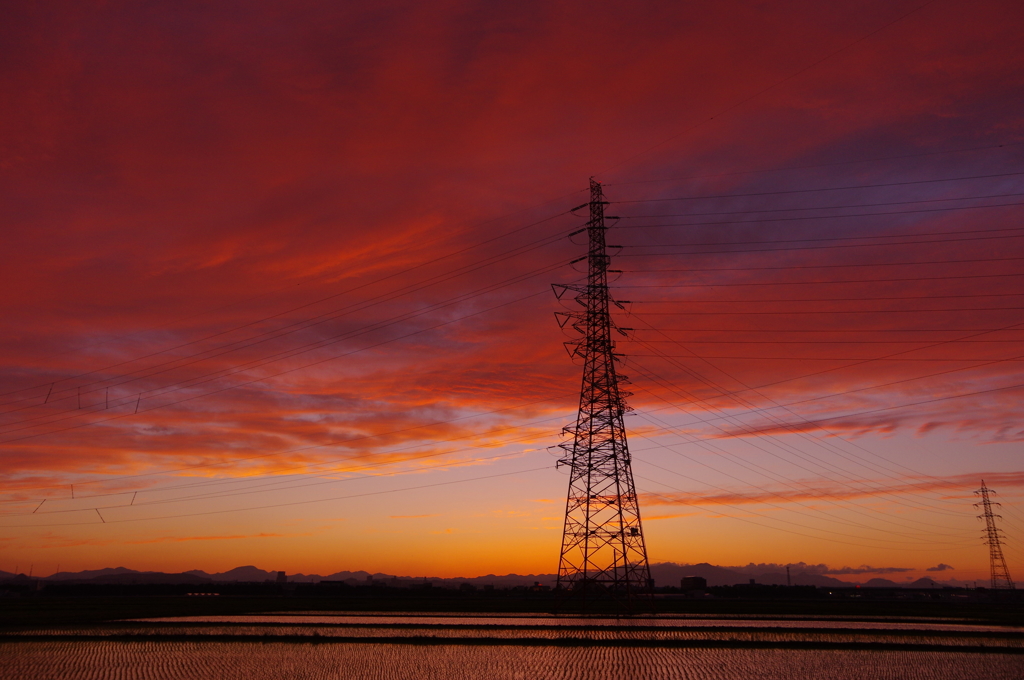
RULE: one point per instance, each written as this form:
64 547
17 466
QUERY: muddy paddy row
415 646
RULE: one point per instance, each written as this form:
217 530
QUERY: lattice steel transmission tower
603 554
1000 574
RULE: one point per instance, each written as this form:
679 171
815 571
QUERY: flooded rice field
265 661
300 646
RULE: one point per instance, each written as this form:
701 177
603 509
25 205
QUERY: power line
818 239
328 477
379 325
861 389
804 357
330 443
755 211
673 501
305 466
263 378
795 248
832 311
320 343
415 286
793 484
821 266
341 442
748 388
816 165
917 403
789 500
743 428
847 187
891 298
821 342
285 505
915 279
889 356
319 319
832 331
735 396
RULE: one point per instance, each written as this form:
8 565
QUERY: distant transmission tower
603 554
997 563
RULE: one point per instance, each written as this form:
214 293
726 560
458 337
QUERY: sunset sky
276 280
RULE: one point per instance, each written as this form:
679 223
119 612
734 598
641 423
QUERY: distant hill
247 574
90 574
123 575
923 583
663 573
670 573
882 583
801 578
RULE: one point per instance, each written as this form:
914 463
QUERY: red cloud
246 241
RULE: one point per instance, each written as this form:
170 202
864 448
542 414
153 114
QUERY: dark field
122 602
445 635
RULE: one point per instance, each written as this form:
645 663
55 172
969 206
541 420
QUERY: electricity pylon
603 558
997 563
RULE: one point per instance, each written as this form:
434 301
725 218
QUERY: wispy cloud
866 569
960 485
